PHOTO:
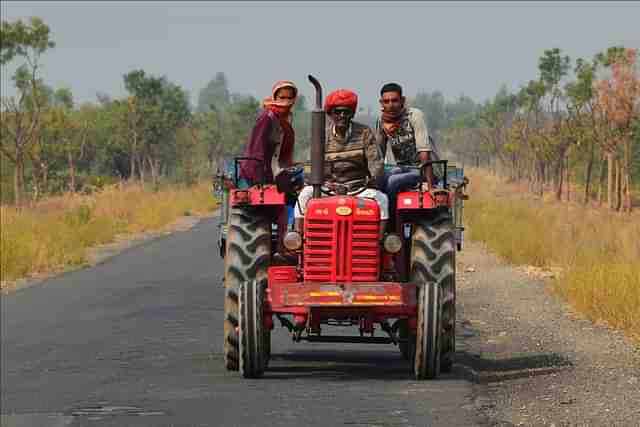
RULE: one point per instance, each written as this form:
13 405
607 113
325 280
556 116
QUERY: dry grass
54 233
597 251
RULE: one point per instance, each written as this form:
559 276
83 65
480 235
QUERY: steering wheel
329 192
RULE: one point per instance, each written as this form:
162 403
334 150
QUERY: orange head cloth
282 108
341 98
281 84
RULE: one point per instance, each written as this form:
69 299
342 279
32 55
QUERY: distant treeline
50 144
582 128
548 132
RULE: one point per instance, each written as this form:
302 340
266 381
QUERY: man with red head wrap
351 141
341 98
271 144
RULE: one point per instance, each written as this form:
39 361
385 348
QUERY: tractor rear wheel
433 261
251 330
248 255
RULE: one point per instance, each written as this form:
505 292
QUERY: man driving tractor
353 160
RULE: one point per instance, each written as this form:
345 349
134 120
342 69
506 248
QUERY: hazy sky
466 48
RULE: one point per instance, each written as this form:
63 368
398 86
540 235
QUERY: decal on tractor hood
365 212
343 210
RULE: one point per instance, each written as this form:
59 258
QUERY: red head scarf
282 84
341 98
280 108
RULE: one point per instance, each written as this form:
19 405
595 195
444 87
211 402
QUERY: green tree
582 120
157 109
22 113
433 105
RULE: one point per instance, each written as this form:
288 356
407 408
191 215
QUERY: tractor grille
341 250
364 252
318 250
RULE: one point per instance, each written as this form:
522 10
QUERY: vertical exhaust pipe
318 120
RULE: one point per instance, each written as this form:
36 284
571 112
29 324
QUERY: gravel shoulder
537 362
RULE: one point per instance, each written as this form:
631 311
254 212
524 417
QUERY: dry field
592 255
54 234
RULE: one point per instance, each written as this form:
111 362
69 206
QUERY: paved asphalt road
137 341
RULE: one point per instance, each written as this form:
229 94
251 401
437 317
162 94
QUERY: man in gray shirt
404 139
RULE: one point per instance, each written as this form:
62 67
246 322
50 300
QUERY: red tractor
403 284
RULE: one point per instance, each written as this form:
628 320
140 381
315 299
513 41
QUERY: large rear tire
247 258
433 261
251 330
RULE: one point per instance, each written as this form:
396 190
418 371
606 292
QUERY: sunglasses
342 111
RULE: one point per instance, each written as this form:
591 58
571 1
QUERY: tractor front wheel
426 364
251 330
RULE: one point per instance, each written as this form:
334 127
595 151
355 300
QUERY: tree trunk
188 169
132 172
568 179
601 180
560 177
72 172
618 186
141 169
540 178
628 194
36 183
155 171
45 175
153 167
627 175
610 180
18 179
587 187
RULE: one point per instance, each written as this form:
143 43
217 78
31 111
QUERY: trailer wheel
433 261
248 254
251 330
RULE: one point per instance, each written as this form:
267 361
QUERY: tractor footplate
347 339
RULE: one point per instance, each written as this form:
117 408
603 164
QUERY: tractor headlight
292 240
392 243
